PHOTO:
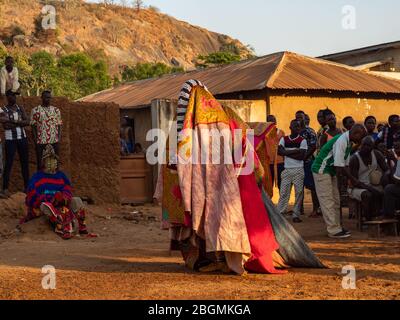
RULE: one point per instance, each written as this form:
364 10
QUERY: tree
216 59
88 75
44 72
138 4
25 71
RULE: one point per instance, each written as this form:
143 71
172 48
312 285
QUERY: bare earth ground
130 260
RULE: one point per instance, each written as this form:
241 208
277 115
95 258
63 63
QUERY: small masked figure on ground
50 193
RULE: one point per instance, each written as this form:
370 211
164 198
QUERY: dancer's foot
216 267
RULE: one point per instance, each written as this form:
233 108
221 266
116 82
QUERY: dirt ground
130 260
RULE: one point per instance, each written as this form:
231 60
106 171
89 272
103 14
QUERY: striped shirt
336 153
183 102
16 133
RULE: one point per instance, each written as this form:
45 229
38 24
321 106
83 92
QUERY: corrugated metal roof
283 70
377 47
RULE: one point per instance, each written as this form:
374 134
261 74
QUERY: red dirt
130 260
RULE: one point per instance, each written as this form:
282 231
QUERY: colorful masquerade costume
51 195
265 135
216 213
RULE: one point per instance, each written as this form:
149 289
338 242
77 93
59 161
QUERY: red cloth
259 227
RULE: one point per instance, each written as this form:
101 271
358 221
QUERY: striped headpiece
183 101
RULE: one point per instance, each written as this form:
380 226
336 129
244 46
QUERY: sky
310 27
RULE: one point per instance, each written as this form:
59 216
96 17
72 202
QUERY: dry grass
125 35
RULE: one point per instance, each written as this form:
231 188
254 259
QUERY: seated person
368 166
391 200
49 193
393 155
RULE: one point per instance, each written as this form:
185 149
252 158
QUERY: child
294 149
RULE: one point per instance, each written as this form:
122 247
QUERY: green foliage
231 48
73 76
3 54
216 59
88 75
143 71
44 72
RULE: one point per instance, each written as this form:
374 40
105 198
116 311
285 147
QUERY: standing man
9 77
46 125
127 135
334 160
311 137
332 129
324 126
391 132
294 149
348 123
14 119
370 124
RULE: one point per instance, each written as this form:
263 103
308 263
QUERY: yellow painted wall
284 108
248 110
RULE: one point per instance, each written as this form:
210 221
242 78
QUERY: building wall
285 107
89 148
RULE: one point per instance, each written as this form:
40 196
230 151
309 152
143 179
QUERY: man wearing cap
9 77
14 120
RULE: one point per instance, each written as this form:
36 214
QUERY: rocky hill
123 36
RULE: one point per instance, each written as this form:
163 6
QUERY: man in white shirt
9 77
294 149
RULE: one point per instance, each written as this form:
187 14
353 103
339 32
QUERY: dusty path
131 261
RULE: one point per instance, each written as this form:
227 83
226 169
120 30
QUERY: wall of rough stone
89 148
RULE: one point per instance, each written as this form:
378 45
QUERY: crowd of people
48 191
360 160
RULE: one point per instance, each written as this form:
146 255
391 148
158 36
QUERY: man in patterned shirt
310 136
46 125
